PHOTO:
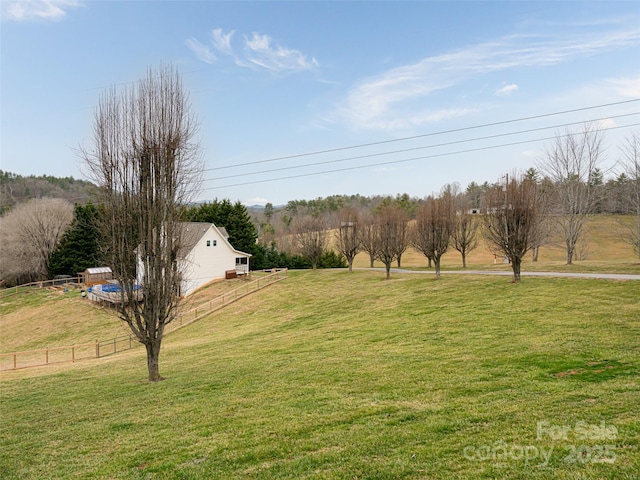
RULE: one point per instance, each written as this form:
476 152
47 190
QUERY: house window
215 242
208 243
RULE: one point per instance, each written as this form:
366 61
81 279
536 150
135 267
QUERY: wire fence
102 348
72 282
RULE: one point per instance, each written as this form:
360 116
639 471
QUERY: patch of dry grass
603 251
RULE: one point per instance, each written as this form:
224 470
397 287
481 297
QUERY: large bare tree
147 165
515 212
570 162
630 163
311 238
435 222
29 234
391 235
348 234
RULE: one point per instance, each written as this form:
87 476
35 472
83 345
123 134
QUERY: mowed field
342 376
336 375
53 317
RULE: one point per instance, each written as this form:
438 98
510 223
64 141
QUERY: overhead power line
404 150
393 162
424 135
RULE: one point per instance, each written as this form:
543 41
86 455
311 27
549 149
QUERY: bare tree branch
311 238
348 234
570 163
391 238
435 222
147 165
29 234
514 217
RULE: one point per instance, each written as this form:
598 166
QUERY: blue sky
279 79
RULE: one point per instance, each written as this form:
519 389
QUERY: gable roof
96 270
192 233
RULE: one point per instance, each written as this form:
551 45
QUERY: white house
207 255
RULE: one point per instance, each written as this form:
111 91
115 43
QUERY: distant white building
207 255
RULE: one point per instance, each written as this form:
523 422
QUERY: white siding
206 263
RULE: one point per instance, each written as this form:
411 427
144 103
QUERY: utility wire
393 162
412 149
456 142
442 132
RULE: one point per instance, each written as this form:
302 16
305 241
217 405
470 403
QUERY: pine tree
78 249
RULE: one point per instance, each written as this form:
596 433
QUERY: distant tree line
15 189
518 213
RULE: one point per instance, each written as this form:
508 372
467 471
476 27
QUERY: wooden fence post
73 353
14 360
46 356
97 349
114 346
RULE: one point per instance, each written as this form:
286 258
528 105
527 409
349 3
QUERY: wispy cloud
222 42
507 90
379 102
256 201
628 87
258 52
203 52
29 10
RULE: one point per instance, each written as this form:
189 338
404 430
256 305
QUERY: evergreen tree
233 217
78 249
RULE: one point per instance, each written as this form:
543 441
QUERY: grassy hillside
331 375
42 318
603 250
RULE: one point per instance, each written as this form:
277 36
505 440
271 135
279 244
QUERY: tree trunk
399 259
351 264
388 268
436 262
569 256
534 253
429 264
638 237
515 264
371 260
464 261
153 365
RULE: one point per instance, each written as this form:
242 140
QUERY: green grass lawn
345 376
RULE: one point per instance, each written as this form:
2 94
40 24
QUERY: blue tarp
112 288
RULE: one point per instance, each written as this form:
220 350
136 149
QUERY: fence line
225 299
98 349
74 282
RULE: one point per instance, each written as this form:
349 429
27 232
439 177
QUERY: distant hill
16 188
